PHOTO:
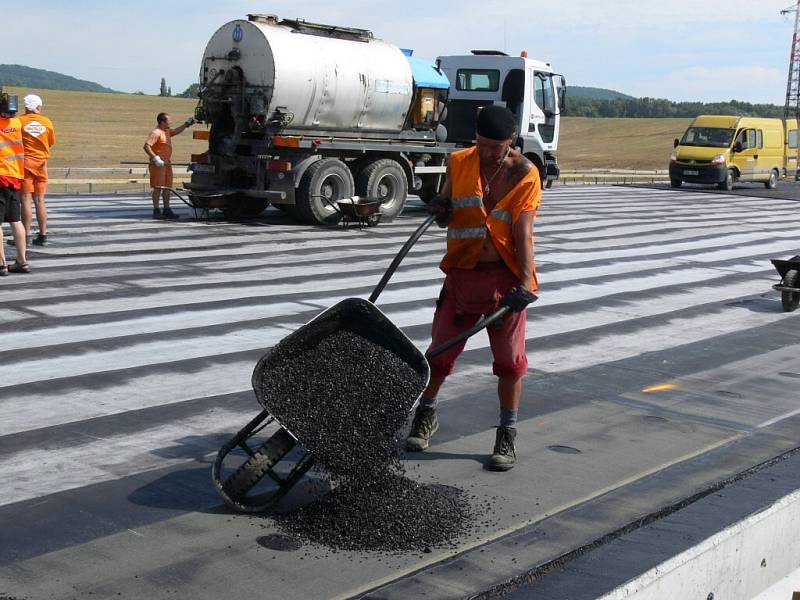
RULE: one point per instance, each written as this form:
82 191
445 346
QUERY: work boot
168 214
423 427
156 213
40 240
504 455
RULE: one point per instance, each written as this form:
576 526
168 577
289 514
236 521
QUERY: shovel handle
400 256
433 352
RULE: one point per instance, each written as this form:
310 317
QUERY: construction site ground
663 370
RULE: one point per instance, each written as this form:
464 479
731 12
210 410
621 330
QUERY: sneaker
423 427
40 240
504 455
168 214
156 213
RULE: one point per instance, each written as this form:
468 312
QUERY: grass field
102 130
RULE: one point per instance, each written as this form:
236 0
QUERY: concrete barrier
738 563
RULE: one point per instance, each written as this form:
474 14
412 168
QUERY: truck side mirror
676 142
737 147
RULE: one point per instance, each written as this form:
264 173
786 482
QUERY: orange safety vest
11 153
470 225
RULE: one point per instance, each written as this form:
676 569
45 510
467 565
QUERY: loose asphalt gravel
347 400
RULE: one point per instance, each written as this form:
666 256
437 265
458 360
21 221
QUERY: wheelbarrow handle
441 348
400 256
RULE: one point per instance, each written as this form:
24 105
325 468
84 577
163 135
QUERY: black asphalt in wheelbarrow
353 316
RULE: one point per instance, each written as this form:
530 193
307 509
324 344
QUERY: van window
715 137
760 136
747 137
478 80
792 141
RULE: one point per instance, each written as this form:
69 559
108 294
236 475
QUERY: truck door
543 123
746 161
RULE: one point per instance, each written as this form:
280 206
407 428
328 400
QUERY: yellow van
720 149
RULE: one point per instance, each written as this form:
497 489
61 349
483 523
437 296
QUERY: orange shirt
38 135
161 143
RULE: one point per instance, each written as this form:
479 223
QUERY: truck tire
727 185
790 300
385 180
323 183
772 182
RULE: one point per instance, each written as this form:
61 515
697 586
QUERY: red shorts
161 176
466 295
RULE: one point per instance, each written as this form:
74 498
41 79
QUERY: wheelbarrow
364 210
789 286
355 315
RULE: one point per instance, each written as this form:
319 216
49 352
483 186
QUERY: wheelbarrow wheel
790 300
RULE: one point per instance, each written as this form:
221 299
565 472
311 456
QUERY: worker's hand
518 298
157 161
443 209
189 122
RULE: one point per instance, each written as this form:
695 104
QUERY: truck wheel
772 182
676 183
323 183
790 300
385 180
727 185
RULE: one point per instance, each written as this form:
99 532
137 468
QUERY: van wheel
772 182
323 183
386 181
676 183
727 185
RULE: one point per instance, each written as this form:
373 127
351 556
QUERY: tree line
660 108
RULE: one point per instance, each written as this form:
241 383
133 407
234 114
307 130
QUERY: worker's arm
522 231
180 129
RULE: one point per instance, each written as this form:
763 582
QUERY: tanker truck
302 115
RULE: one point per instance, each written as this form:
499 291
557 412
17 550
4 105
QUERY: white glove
189 122
157 161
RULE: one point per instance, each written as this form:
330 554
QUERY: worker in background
158 148
38 135
488 204
12 171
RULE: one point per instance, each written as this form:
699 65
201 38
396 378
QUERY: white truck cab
528 87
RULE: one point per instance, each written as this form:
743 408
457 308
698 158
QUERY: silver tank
323 81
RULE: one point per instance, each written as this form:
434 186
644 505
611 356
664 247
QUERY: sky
674 49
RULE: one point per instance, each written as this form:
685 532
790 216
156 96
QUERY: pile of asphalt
346 400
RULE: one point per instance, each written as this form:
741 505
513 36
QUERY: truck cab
527 87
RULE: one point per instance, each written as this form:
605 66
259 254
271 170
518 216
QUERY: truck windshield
714 137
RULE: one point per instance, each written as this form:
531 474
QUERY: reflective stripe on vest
13 143
501 215
466 233
14 157
468 202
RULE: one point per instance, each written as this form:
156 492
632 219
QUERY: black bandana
496 122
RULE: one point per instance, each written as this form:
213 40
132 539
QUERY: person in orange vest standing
38 135
158 148
488 203
12 159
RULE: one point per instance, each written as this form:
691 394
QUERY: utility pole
791 109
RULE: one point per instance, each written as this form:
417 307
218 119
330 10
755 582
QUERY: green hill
28 77
577 91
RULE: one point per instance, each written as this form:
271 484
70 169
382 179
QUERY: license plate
203 168
689 172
